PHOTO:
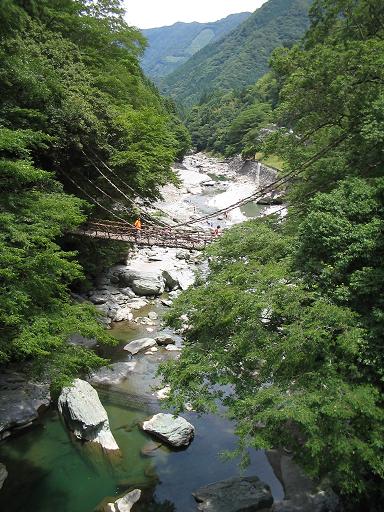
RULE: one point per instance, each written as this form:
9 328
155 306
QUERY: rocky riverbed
120 408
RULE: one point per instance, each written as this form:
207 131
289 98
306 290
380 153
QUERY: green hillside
169 47
241 57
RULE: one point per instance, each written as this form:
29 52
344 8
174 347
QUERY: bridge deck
162 237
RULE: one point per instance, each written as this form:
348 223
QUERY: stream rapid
49 472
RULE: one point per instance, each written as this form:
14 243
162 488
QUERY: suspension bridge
157 232
152 235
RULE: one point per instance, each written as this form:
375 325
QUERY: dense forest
169 47
291 315
241 57
73 99
287 327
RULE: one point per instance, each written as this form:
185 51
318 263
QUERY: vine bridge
152 235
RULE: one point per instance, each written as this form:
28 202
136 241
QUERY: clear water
252 210
50 471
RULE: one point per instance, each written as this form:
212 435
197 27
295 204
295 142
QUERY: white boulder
140 345
84 414
143 283
175 431
125 503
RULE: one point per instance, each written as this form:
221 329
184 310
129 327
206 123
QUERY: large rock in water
137 346
143 283
3 474
240 494
20 400
84 414
113 374
176 432
125 503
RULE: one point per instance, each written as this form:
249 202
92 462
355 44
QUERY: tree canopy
72 99
289 322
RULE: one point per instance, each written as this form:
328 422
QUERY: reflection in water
49 471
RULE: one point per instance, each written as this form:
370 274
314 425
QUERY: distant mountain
169 47
241 57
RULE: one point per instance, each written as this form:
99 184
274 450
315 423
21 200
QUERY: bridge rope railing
150 235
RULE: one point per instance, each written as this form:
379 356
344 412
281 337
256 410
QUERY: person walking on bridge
138 226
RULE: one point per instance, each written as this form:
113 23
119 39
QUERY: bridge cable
261 192
95 200
129 186
148 217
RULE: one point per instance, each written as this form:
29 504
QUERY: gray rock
175 431
113 374
84 414
183 255
128 292
98 299
150 449
167 303
20 400
3 474
321 501
125 503
139 345
152 315
165 340
143 283
77 339
239 494
123 314
137 303
171 278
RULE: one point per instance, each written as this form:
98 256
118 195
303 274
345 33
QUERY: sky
158 13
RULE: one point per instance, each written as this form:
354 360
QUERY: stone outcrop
301 493
20 401
85 416
3 474
142 283
175 431
125 503
182 278
165 340
113 374
140 345
321 501
234 495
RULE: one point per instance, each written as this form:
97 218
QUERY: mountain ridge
172 45
241 57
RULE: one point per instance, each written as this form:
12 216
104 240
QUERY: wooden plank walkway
148 236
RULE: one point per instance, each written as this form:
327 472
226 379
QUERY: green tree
290 317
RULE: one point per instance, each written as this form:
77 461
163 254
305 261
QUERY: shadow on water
50 471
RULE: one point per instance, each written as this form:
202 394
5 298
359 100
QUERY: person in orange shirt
138 224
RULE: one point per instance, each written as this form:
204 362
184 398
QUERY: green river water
50 472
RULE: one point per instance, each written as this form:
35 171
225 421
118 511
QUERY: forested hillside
292 314
241 57
73 99
169 47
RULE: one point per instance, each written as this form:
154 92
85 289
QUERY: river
49 472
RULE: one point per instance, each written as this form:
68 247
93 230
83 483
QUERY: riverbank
63 474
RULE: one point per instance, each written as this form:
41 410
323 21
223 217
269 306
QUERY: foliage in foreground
72 97
291 316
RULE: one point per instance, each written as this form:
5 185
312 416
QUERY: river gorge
49 470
